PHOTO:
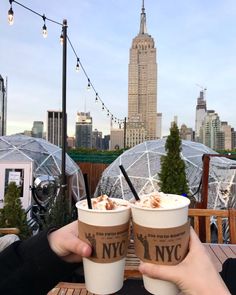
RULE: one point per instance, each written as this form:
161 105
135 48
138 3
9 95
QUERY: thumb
162 272
77 246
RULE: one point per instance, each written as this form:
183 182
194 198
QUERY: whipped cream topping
105 203
158 200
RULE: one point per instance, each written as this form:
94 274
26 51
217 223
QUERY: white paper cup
108 233
161 236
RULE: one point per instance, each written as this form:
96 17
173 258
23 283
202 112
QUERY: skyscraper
142 87
97 139
54 127
3 106
83 130
201 112
210 130
37 129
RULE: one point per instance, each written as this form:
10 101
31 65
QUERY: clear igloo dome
44 158
142 164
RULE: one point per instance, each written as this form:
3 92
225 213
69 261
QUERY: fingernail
141 267
86 250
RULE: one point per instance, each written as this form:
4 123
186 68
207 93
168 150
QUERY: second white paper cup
161 218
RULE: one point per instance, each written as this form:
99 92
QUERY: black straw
129 183
87 191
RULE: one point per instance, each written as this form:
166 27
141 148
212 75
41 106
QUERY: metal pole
64 117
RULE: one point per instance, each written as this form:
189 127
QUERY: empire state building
142 87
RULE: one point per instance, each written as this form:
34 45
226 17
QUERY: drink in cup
161 234
106 228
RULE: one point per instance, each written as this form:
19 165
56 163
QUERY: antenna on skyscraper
204 89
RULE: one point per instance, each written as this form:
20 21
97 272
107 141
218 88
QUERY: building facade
135 133
117 139
201 112
233 134
37 129
3 106
186 133
210 131
142 86
71 142
227 130
97 141
159 125
83 130
54 127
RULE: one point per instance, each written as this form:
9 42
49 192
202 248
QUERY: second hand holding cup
158 230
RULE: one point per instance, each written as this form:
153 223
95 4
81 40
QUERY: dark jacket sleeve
31 267
228 274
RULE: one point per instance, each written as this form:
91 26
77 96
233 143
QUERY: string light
77 65
44 29
10 16
89 84
45 34
96 98
61 38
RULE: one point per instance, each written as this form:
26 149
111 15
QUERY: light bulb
77 65
103 107
45 32
10 16
96 98
61 39
89 85
108 113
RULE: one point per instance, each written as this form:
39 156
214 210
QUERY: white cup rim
119 209
180 206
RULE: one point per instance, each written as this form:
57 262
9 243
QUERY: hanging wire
35 12
78 64
90 84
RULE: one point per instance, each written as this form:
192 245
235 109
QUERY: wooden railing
9 230
201 222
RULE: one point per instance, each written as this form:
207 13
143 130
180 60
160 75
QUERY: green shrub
172 176
12 214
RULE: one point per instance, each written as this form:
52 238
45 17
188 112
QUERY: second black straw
129 183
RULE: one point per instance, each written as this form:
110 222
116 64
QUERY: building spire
143 28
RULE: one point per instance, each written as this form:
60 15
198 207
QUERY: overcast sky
195 41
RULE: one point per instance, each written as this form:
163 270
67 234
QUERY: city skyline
195 45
